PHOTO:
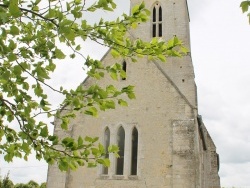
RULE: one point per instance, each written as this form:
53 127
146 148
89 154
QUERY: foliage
7 183
245 6
43 185
34 36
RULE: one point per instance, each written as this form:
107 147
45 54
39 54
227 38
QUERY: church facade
162 139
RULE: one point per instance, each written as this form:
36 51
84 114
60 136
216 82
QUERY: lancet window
134 150
106 145
123 137
124 68
121 145
157 21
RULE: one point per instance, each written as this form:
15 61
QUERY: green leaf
134 25
38 90
244 6
115 53
14 9
25 86
80 141
106 162
25 146
135 9
110 104
63 165
12 44
44 132
41 73
78 47
59 54
14 30
114 75
88 139
12 57
122 102
8 157
131 95
17 70
91 111
162 57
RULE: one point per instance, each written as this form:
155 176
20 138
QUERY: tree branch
34 13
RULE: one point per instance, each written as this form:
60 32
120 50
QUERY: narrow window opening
160 30
121 144
218 162
154 30
160 14
157 21
134 152
124 68
154 14
106 145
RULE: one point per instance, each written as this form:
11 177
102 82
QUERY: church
162 139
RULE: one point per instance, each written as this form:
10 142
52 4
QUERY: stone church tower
163 141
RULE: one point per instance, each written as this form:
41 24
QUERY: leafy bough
33 37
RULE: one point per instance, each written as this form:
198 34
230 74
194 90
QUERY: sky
220 39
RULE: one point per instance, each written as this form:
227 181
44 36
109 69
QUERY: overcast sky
220 39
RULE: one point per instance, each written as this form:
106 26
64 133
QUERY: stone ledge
104 176
133 177
118 177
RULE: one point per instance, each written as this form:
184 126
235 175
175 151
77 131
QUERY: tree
35 35
43 185
30 184
6 182
33 184
20 185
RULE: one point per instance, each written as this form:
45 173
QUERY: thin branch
34 13
40 113
68 154
38 80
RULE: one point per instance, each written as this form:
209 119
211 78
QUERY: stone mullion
112 158
127 154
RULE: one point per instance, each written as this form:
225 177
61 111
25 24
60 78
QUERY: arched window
106 145
121 145
134 152
157 21
124 68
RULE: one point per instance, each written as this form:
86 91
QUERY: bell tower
170 18
162 139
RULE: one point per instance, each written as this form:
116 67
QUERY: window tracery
157 20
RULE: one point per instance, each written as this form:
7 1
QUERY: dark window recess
154 14
106 145
157 21
121 144
160 14
134 152
154 30
160 30
218 162
124 68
